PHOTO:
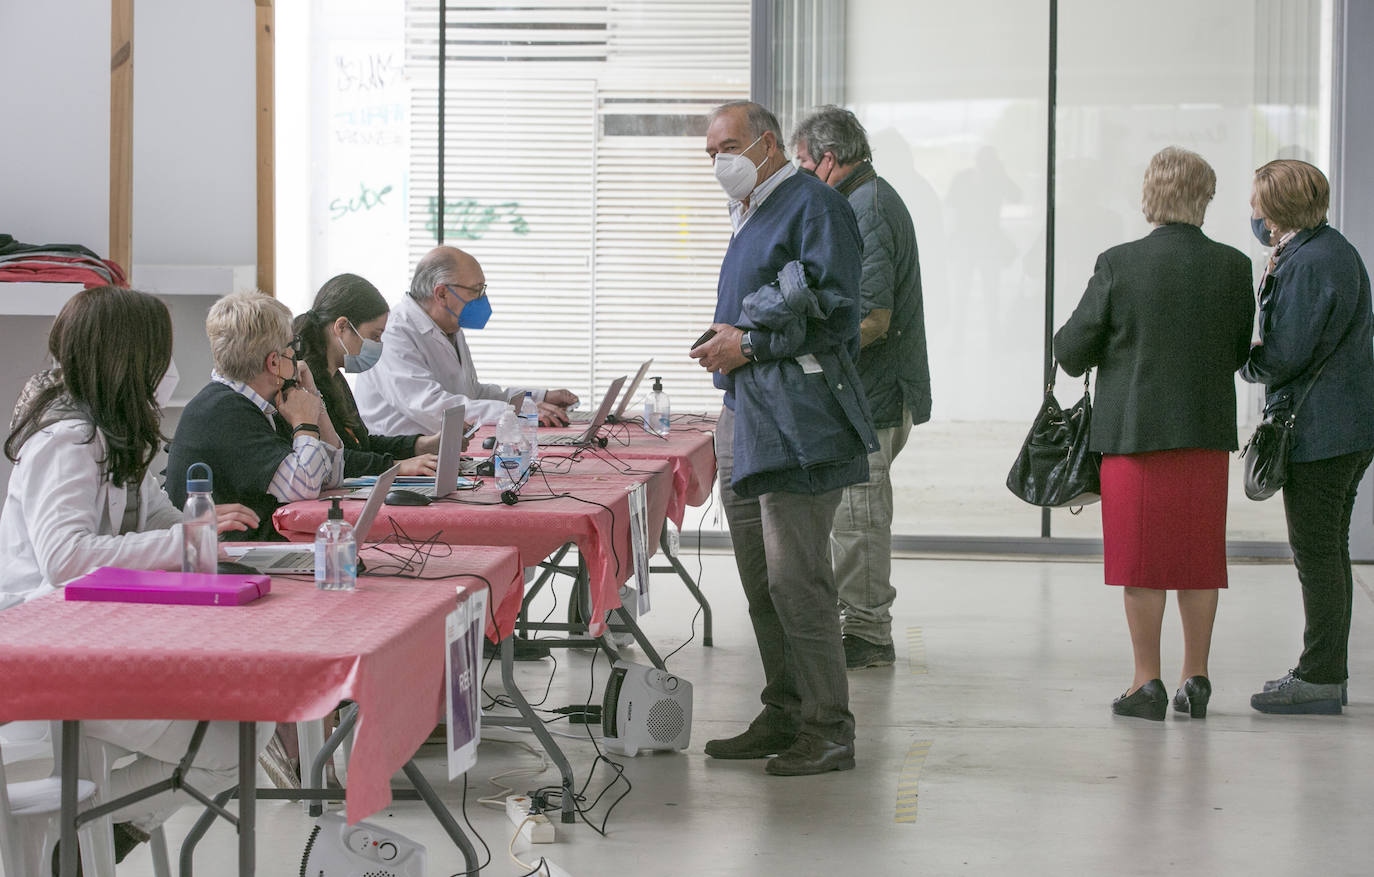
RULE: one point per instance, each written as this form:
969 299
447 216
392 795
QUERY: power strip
538 830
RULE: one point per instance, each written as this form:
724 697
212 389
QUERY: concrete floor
988 749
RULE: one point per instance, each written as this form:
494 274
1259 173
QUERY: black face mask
811 172
1261 231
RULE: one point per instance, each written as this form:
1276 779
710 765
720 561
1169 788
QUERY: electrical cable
474 832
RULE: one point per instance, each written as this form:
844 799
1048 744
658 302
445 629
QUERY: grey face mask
365 358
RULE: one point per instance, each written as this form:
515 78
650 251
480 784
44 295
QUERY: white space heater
337 849
645 709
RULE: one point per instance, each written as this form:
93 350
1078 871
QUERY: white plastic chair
97 761
30 811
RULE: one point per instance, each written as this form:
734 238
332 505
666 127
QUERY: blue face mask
1261 231
474 314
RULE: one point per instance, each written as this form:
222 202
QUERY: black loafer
811 755
1150 701
755 742
1192 697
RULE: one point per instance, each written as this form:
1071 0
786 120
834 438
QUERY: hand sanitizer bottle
657 412
336 552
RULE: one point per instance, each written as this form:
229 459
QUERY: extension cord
538 830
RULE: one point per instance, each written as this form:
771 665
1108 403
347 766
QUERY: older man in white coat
426 367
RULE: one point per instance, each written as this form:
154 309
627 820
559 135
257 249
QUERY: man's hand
232 516
552 415
721 353
561 398
424 464
300 404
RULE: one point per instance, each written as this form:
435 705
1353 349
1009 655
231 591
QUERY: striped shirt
311 466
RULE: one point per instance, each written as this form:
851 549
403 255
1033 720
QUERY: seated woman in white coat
81 496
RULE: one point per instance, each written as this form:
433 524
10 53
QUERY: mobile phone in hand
705 336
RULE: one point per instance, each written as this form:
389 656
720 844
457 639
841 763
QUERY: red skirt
1164 519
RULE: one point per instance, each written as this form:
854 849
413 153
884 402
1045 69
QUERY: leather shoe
755 742
1149 701
811 755
860 653
1192 696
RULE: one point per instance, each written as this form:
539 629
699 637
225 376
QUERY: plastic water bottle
658 414
529 428
336 552
510 460
199 540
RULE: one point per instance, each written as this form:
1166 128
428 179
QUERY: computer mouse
234 568
489 442
406 497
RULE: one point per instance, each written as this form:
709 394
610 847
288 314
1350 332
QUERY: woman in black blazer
1316 328
1166 321
350 314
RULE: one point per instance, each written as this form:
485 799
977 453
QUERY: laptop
585 437
292 559
618 414
445 479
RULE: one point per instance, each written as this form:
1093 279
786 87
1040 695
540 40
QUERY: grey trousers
783 556
862 543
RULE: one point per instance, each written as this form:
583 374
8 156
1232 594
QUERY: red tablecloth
595 516
689 448
288 657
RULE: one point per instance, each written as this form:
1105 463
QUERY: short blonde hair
1292 194
1179 184
243 328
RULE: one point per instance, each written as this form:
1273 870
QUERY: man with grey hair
794 430
426 367
831 143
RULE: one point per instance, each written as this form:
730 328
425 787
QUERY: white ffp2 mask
736 174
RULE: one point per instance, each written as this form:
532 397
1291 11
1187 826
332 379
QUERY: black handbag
1266 453
1055 469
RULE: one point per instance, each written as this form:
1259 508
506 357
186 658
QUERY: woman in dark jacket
1166 320
343 330
1316 329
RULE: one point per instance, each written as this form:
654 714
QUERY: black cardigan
364 453
1166 320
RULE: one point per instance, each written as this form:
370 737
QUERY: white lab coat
61 520
62 514
421 375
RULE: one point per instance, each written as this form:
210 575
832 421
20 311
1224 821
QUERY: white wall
54 155
194 166
195 190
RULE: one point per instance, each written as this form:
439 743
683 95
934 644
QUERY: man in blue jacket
794 431
831 143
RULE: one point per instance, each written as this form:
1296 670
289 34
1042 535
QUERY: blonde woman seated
259 424
81 497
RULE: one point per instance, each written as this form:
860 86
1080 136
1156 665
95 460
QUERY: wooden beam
122 133
267 174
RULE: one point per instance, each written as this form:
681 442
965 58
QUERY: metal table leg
248 802
441 813
675 565
69 855
535 724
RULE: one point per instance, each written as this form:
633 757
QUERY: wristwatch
306 427
746 345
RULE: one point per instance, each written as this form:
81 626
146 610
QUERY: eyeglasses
297 346
478 290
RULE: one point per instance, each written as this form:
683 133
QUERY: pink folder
112 584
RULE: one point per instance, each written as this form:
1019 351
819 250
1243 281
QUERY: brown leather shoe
755 742
811 755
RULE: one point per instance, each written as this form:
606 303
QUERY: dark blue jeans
1318 499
